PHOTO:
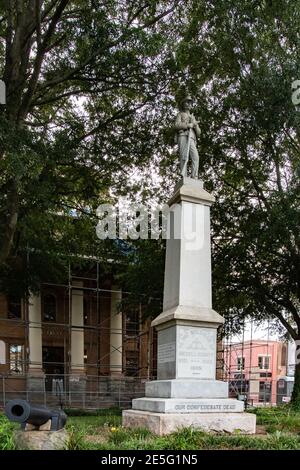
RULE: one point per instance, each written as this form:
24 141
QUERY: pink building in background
253 368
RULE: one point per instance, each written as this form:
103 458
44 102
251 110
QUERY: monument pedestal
187 393
160 423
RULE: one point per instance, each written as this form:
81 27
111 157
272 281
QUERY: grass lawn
278 429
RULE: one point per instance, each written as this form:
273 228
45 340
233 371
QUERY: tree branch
39 58
259 192
69 75
285 323
38 22
276 312
11 223
30 29
159 17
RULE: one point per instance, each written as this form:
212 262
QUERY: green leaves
83 89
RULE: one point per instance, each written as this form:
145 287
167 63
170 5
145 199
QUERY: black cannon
20 411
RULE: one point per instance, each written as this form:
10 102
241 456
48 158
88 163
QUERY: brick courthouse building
71 341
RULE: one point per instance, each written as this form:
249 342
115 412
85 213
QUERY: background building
71 342
253 368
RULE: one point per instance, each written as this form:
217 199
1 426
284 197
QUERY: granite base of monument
170 405
186 388
166 423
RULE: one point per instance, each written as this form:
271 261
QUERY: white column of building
35 334
77 337
2 352
115 332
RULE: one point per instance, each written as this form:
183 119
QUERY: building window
240 363
49 307
16 359
264 362
283 355
14 307
132 323
281 383
132 363
265 392
265 374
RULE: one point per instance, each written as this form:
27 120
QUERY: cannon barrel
21 411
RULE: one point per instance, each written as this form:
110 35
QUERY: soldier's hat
187 98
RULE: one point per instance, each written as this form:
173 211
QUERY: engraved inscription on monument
196 353
166 353
202 408
201 405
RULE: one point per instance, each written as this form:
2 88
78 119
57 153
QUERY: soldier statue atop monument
187 131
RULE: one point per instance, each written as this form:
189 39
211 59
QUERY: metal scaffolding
103 386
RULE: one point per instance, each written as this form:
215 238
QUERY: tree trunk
11 222
295 401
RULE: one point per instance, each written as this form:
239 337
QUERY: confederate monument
187 132
186 392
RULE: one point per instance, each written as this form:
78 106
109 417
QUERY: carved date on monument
196 353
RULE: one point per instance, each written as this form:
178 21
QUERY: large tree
82 79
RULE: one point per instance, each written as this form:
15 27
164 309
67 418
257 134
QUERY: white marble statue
187 131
